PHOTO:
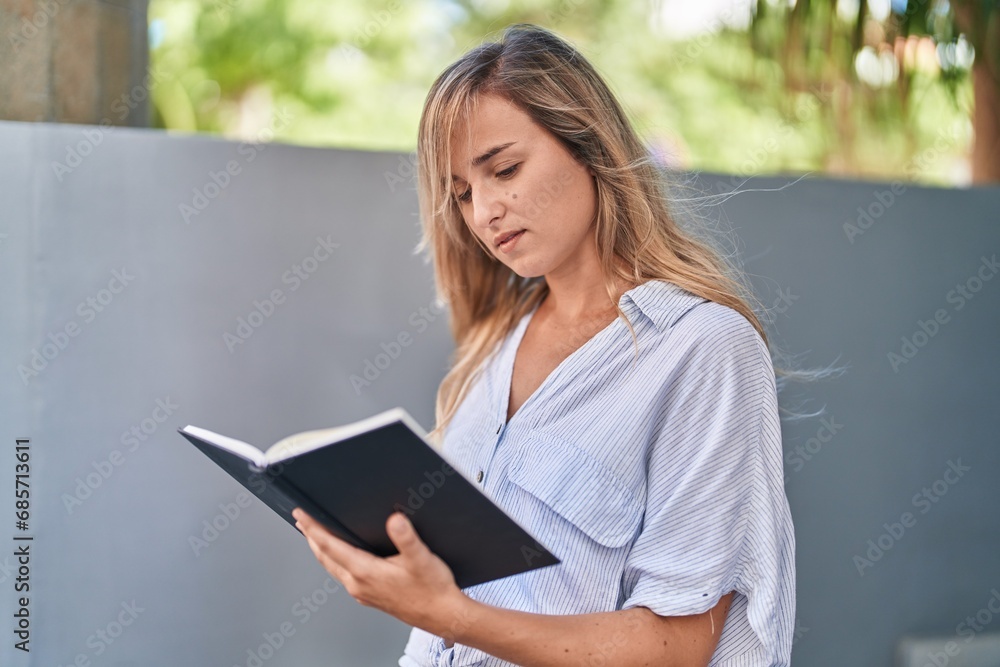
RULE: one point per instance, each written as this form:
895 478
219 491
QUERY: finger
344 555
404 536
328 564
311 533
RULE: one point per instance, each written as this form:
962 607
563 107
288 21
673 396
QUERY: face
512 175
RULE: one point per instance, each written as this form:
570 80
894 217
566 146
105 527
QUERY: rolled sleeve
710 504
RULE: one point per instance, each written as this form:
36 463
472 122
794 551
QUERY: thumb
404 536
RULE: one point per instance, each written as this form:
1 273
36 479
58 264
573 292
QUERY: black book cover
352 486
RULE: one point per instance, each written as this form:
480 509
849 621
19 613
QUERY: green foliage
354 74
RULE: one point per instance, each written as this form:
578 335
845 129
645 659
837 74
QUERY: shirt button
479 476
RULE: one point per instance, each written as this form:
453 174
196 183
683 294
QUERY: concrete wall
74 61
153 247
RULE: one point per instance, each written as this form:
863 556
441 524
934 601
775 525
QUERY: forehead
494 121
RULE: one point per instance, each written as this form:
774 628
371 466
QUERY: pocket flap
578 488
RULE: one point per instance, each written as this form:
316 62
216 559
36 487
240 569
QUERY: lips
506 237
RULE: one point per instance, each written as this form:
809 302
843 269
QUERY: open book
351 478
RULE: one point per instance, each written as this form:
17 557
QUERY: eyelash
506 173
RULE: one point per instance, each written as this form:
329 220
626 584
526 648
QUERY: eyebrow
476 161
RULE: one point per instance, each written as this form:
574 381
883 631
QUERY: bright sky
684 19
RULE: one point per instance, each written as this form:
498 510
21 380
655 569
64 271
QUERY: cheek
578 201
566 193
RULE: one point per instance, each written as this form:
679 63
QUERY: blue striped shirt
658 485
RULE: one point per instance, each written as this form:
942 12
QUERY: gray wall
161 340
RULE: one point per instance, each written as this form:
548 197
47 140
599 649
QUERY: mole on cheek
514 196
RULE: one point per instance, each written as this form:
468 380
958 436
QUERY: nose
487 206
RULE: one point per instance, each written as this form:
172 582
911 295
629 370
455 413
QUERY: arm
418 588
634 636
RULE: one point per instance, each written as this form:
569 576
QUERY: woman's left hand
415 585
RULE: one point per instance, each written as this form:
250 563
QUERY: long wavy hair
637 237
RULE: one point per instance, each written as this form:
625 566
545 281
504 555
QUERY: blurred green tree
354 74
869 62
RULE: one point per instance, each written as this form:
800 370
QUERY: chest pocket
578 488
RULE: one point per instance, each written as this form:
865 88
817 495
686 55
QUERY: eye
509 171
506 173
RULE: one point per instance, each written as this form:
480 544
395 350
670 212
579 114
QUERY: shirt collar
660 301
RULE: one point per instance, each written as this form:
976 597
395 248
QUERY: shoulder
709 320
712 335
711 361
662 302
687 318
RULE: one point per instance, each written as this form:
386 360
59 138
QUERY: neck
570 303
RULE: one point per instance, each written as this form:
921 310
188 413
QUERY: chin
525 271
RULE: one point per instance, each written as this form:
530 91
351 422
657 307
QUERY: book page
300 443
238 447
305 441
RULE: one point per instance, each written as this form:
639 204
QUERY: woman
611 389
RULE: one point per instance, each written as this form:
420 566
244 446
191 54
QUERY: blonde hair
637 237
